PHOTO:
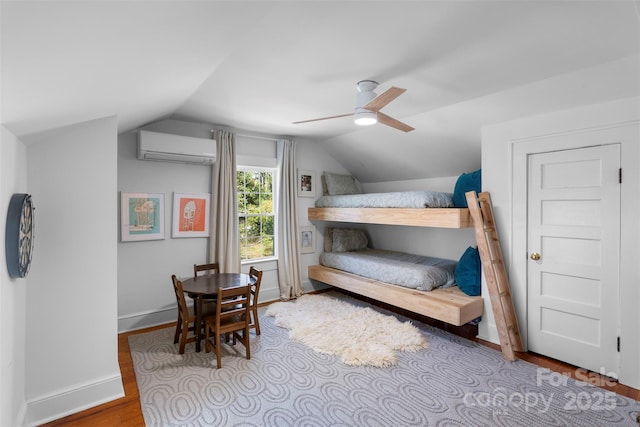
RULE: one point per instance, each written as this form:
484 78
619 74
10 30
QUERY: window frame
273 171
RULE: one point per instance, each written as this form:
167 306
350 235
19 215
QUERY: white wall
13 305
502 163
145 295
71 302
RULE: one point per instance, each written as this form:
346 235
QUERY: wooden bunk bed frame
424 217
449 305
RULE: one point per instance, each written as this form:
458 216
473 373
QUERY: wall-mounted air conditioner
166 147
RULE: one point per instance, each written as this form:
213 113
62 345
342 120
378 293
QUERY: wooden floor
126 411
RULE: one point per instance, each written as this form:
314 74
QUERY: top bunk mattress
402 199
398 268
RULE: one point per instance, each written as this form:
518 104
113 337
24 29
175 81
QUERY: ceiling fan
368 106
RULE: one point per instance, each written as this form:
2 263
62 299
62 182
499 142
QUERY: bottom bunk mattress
411 271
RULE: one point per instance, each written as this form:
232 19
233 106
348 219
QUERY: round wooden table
206 286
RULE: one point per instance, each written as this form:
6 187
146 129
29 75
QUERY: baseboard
72 400
22 415
147 319
488 332
269 295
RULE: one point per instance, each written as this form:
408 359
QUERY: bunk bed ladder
495 273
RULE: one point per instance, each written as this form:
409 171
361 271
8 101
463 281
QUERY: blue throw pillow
468 272
466 182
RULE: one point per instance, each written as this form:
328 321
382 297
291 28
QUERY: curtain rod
249 136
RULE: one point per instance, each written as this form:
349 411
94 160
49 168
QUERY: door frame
521 148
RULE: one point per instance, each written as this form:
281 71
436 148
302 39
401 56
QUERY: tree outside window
255 213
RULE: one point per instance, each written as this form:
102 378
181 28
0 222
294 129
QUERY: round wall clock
19 235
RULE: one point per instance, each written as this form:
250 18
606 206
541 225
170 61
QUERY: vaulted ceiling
261 65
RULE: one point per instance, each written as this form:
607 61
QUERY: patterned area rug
360 336
455 382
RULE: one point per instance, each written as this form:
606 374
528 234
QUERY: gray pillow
346 240
328 239
340 184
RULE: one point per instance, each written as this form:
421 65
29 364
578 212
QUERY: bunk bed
447 304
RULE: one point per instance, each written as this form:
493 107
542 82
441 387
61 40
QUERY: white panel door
574 241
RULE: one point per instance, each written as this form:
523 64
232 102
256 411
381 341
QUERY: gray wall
438 242
145 295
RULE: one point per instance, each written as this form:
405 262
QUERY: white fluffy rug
358 335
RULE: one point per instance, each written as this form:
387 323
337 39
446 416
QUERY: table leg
197 327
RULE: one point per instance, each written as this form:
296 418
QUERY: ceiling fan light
365 117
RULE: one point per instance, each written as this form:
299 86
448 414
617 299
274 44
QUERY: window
255 213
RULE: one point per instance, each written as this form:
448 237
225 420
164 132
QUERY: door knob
535 256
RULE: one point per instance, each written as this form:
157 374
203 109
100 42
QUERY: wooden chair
186 317
232 315
212 268
256 275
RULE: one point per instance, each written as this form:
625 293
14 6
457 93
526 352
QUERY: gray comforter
404 199
398 268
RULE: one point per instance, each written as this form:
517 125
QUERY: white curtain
224 244
289 268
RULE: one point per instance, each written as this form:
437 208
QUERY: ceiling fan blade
322 118
384 98
390 121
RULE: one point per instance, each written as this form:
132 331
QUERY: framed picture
307 239
306 183
190 215
142 216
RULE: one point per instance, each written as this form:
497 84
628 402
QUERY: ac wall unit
166 147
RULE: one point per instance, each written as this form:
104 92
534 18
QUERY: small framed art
141 216
190 215
306 183
307 239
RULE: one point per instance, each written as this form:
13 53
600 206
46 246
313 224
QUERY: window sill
259 260
270 263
